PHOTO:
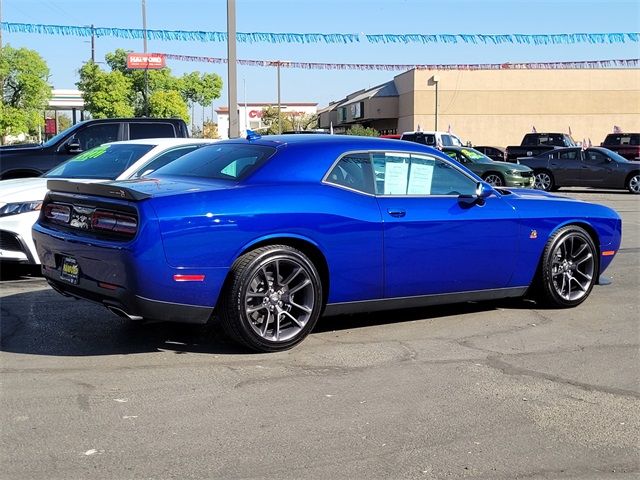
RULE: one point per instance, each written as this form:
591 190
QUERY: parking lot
491 390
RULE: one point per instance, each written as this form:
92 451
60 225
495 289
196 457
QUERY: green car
498 174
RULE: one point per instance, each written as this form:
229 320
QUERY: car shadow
17 271
45 323
388 317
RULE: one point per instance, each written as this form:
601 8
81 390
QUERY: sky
65 54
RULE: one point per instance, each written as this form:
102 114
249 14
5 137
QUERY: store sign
145 60
50 126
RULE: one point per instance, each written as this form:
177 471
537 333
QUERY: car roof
164 141
430 132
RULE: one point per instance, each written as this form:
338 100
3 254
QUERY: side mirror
73 146
483 190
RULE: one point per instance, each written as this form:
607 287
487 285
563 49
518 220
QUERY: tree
363 131
167 104
270 119
143 88
210 130
105 94
64 122
25 91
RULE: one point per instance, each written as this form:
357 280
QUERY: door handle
396 212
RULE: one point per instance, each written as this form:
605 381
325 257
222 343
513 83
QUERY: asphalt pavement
490 390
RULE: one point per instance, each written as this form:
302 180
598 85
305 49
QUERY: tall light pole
279 111
278 64
436 79
232 80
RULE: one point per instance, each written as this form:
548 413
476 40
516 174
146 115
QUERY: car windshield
616 156
222 162
104 162
53 140
475 156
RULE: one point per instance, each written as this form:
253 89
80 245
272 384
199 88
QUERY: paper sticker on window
93 153
420 179
395 178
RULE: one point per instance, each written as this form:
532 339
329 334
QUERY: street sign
145 61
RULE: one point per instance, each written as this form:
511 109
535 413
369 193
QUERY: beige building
497 107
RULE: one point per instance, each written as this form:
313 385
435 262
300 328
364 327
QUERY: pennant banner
178 35
529 39
254 37
592 64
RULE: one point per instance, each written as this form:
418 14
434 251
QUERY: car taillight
57 213
114 222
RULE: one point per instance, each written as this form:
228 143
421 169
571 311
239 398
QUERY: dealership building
496 107
250 115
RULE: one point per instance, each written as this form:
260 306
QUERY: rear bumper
124 303
130 278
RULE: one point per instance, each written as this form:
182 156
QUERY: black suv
19 161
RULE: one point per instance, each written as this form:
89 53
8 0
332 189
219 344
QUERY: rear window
151 130
550 139
623 139
418 137
104 162
222 162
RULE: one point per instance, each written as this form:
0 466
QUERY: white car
21 198
433 139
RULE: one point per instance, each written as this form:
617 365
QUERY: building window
342 114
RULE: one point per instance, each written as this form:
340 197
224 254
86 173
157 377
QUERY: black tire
258 297
494 179
544 181
633 183
569 268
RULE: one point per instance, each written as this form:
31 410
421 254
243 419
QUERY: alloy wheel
494 180
543 181
279 299
634 184
572 267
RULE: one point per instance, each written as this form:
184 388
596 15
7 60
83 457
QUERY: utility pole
146 70
93 43
232 69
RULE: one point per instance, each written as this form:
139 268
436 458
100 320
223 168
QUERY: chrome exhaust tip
121 313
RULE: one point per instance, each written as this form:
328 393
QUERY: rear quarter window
222 162
151 130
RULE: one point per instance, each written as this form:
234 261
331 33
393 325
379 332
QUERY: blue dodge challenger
266 234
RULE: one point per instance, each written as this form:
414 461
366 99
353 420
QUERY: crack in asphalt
509 369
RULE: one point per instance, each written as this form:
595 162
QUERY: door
598 169
566 167
433 243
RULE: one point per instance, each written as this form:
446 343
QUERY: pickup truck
21 161
626 145
534 144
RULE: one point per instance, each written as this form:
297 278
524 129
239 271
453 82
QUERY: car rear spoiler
98 189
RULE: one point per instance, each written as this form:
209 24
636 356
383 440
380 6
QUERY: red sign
50 126
145 60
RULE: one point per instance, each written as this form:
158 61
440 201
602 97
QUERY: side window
568 155
163 159
96 135
353 171
446 141
404 174
150 130
592 157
